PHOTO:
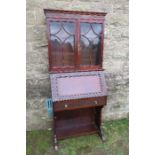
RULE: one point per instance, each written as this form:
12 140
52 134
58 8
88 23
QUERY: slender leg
98 112
101 134
55 140
55 143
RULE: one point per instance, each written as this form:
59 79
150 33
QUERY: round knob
66 105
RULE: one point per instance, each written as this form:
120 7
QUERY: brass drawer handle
95 102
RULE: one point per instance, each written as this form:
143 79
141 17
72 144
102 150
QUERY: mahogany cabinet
75 52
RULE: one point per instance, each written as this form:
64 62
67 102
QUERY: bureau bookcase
78 87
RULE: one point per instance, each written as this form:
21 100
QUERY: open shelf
76 131
75 123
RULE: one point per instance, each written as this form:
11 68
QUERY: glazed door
90 44
62 44
75 44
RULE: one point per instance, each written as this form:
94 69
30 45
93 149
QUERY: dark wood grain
48 12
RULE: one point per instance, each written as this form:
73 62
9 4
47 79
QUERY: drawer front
70 105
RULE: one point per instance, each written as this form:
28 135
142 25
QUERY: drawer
70 105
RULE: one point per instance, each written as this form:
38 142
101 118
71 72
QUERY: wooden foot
101 134
56 148
55 143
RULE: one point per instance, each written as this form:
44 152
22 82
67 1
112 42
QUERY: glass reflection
69 27
56 51
62 35
84 27
97 28
91 35
85 51
84 42
90 43
56 44
62 39
96 48
55 27
68 51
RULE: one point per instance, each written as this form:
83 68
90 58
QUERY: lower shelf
77 130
